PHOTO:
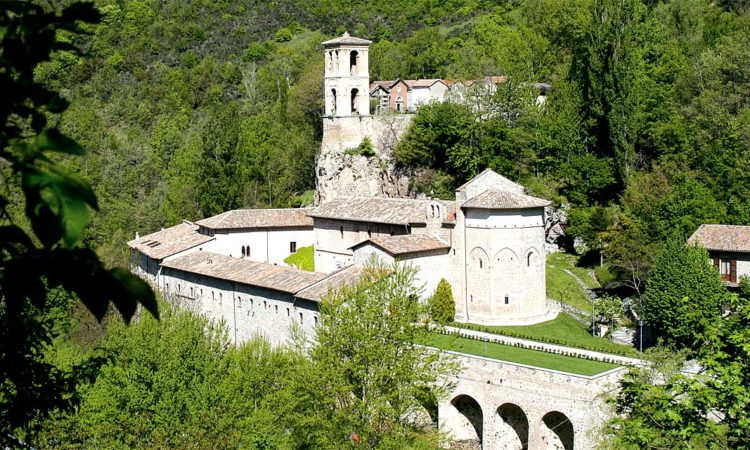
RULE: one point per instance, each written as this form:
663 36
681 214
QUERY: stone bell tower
347 121
347 77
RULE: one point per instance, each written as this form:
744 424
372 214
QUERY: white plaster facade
421 95
269 245
247 310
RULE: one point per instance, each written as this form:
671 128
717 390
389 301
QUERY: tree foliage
441 303
370 377
41 260
684 295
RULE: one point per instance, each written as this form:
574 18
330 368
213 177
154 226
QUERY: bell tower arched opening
355 101
354 62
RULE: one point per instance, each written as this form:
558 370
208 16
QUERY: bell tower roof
345 39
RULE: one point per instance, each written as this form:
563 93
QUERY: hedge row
550 340
526 346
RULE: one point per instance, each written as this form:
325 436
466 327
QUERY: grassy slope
566 329
518 355
563 287
302 258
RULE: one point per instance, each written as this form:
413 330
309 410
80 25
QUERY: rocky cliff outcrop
340 174
343 170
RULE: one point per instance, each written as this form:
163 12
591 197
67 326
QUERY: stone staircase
625 336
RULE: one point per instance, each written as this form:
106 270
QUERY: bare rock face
343 171
340 174
554 226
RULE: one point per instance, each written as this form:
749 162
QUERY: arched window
300 318
334 102
528 259
481 263
399 104
243 250
341 231
353 60
369 233
355 98
432 207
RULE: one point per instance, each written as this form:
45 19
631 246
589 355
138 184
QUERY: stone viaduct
493 405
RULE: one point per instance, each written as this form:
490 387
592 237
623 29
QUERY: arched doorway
557 432
512 428
468 423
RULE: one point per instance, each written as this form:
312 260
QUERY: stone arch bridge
495 405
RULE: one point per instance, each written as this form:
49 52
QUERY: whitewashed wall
270 245
332 247
247 310
431 267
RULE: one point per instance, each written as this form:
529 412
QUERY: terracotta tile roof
395 211
423 83
284 279
407 243
380 85
727 238
348 276
169 241
496 79
497 199
259 218
345 39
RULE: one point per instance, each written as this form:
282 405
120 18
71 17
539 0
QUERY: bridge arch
465 422
557 432
512 428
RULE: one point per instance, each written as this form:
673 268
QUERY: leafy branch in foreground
35 265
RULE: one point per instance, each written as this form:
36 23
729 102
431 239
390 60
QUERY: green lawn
302 259
570 262
564 330
517 355
564 288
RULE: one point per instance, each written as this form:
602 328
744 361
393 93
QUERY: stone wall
500 405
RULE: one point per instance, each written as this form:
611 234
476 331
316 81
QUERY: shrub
365 148
441 303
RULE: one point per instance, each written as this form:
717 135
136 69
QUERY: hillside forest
190 108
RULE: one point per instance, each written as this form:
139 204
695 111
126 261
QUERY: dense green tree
441 303
660 406
370 376
684 294
41 259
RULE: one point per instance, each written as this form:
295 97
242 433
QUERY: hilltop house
728 247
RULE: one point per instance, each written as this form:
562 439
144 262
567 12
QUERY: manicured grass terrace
517 355
564 330
302 259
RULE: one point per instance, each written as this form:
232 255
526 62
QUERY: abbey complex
488 243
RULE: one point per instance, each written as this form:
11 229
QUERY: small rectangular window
292 247
507 299
300 318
